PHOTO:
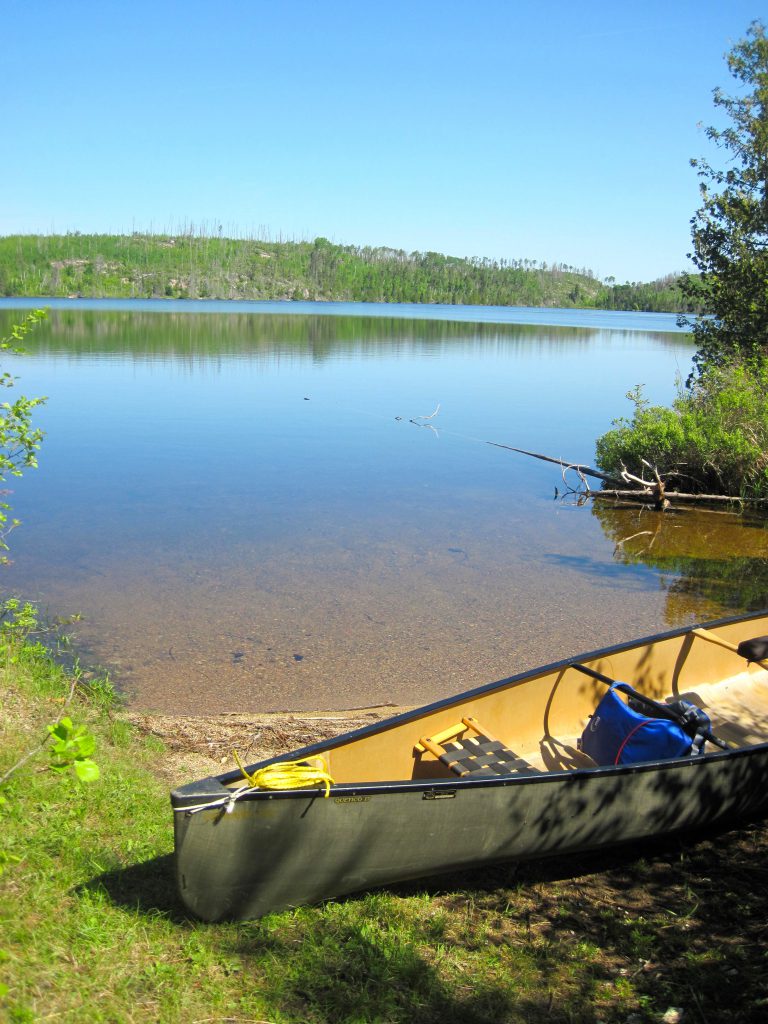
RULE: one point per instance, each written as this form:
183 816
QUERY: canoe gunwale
191 794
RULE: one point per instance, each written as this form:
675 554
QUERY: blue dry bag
618 734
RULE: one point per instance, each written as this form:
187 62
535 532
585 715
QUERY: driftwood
652 495
577 466
647 492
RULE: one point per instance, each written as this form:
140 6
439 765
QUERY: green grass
91 929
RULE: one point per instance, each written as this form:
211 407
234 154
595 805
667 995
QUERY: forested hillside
197 266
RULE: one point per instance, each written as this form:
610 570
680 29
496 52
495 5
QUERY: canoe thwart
754 650
476 752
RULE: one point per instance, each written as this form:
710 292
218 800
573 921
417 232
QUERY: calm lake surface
235 498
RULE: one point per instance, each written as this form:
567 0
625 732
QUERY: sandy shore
200 746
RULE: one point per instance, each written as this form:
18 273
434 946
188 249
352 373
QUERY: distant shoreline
190 266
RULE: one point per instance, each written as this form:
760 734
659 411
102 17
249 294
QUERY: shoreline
196 746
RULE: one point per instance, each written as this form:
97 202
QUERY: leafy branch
72 746
19 440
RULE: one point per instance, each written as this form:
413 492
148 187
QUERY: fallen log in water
652 496
577 466
647 492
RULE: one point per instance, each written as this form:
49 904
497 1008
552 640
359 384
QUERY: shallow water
247 517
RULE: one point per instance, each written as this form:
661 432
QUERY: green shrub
714 439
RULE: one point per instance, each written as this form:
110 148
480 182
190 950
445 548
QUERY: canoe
398 808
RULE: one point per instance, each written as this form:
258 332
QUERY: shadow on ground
626 933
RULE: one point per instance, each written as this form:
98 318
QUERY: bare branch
625 540
651 495
587 470
417 419
36 750
630 478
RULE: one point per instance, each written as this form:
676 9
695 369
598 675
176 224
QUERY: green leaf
62 729
87 770
86 744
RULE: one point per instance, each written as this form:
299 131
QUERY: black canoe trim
212 790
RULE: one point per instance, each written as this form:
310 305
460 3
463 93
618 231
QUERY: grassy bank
91 929
201 266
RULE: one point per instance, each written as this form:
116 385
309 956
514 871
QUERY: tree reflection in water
710 563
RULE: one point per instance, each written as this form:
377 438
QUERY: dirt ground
199 746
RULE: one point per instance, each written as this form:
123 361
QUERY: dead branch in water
652 495
647 492
644 492
419 421
643 533
586 470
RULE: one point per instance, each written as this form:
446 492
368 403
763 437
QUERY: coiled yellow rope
289 774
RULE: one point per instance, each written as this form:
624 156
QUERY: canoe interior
246 853
540 715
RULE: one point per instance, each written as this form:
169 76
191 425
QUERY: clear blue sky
540 129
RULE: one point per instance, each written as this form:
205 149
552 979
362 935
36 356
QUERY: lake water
235 497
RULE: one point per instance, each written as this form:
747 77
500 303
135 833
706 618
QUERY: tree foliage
19 440
196 265
730 229
714 440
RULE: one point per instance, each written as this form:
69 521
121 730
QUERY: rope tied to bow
289 774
